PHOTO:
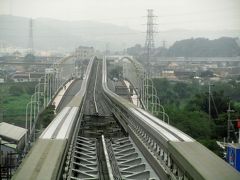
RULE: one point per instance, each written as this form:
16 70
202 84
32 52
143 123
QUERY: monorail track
97 123
100 135
100 127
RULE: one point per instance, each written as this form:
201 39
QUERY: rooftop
11 131
8 144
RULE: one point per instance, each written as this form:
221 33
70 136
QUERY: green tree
29 87
182 90
29 58
136 50
15 90
212 145
193 123
47 116
116 72
219 103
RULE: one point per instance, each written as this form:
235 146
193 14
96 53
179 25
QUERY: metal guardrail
174 155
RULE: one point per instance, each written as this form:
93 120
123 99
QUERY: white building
83 52
12 142
26 76
168 74
12 137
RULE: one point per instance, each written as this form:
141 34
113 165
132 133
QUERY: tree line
187 105
194 47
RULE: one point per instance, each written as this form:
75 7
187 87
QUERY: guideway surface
71 91
97 152
97 121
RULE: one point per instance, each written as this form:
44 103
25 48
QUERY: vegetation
13 100
187 107
46 116
199 47
135 50
29 58
115 72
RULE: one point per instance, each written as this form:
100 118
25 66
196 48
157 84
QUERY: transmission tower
30 37
149 43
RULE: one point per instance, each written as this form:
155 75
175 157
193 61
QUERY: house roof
11 131
8 144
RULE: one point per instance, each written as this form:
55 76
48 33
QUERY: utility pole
149 43
238 126
229 122
107 51
31 36
209 101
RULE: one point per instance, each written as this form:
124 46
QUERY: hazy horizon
173 14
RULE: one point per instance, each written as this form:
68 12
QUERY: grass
13 107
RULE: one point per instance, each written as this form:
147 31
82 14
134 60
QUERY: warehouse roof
11 131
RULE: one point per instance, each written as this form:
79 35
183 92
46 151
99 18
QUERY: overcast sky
172 14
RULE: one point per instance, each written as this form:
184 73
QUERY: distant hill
202 47
66 35
199 47
57 34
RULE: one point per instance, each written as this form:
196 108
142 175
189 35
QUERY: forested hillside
201 47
